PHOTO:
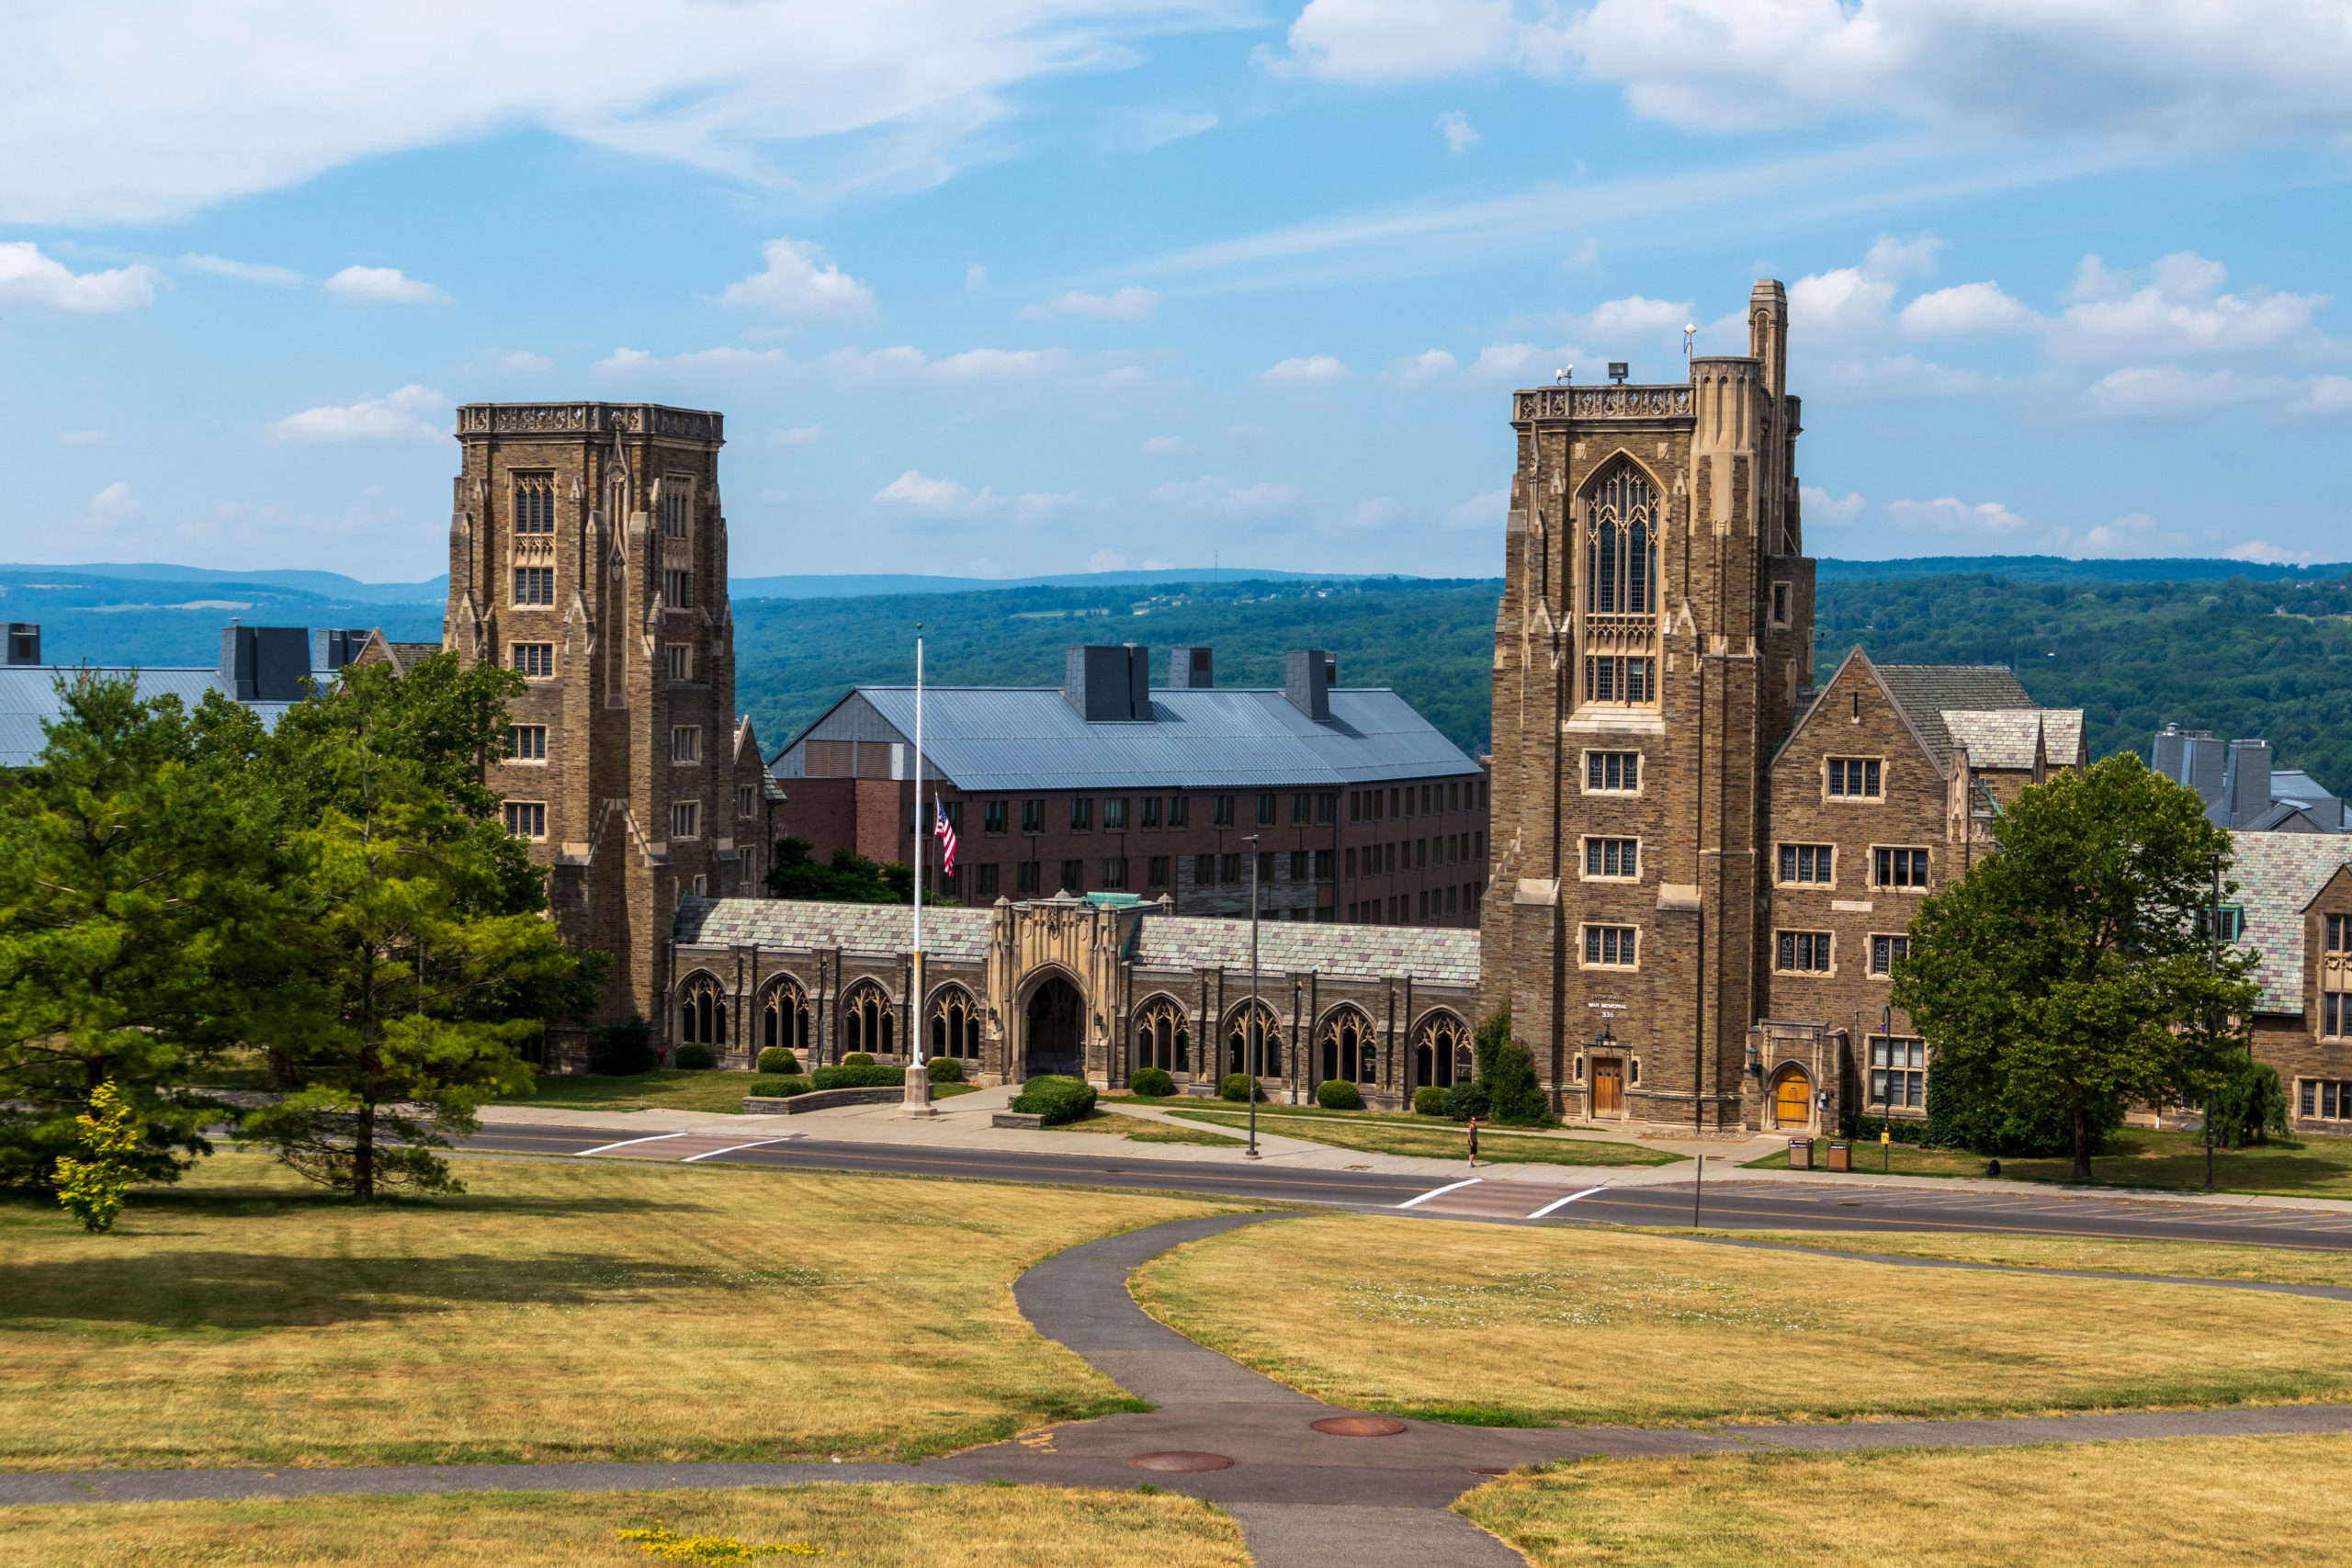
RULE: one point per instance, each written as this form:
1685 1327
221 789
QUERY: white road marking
707 1154
624 1143
1563 1202
1440 1192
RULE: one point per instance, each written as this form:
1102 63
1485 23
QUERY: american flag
944 831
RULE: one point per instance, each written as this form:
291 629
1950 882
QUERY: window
1478 846
1155 872
685 820
1114 815
1351 864
2336 1014
701 886
2230 920
1609 678
1853 778
681 660
1453 797
1114 873
1322 866
1300 806
1225 811
526 818
674 493
535 585
1898 1072
1265 867
747 800
2332 1100
1179 811
1150 811
1082 814
1298 866
1780 604
1025 880
984 883
1804 952
1808 862
535 503
1326 808
1886 951
1228 870
527 742
1613 771
1609 946
678 589
1205 870
536 659
1073 876
1620 558
1033 816
1899 868
955 811
1355 805
1613 857
685 744
2339 934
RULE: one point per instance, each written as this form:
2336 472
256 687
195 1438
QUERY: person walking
1473 1143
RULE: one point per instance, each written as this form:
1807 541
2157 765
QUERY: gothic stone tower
1654 630
588 551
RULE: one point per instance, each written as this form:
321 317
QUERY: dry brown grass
2193 1260
559 1311
1423 1316
873 1527
2163 1502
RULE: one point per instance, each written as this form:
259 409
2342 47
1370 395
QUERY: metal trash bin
1800 1153
1842 1157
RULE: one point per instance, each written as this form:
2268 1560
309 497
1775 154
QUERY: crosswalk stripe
1563 1202
627 1143
1439 1192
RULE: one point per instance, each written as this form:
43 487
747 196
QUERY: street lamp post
1253 1038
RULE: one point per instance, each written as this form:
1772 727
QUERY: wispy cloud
382 285
399 416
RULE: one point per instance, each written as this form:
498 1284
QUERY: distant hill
856 585
331 585
2058 568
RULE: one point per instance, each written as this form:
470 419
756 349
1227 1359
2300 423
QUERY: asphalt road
1728 1203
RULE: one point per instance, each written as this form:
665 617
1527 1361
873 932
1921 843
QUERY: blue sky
1011 287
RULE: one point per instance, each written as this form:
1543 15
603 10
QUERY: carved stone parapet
590 419
1669 401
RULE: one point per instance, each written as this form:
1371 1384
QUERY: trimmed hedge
1152 1083
1464 1100
778 1087
694 1058
1338 1094
1428 1100
857 1059
1055 1098
856 1075
776 1059
1236 1087
945 1070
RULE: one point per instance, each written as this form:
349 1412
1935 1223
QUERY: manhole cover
1358 1426
1181 1460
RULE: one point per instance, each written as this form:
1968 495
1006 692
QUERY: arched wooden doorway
1793 1099
1053 1037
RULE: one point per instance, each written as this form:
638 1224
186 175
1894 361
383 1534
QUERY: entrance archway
1793 1099
1054 1032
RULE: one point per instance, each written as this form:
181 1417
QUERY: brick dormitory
1687 871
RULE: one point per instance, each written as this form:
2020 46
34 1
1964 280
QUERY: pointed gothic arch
1622 515
784 1018
701 1010
1345 1046
1257 1050
1162 1039
955 1023
869 1020
1441 1040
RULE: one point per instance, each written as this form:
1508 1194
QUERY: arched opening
1161 1039
954 1023
1793 1099
1054 1030
1345 1048
702 1012
1439 1041
868 1021
784 1018
1257 1049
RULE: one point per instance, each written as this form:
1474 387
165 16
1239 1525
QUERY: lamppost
1253 1037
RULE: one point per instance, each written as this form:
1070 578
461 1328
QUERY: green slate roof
2277 875
1437 957
1924 691
949 931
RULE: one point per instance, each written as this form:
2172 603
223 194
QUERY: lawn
2160 1503
1426 1318
2134 1157
557 1311
666 1088
1136 1130
2286 1266
1445 1141
879 1527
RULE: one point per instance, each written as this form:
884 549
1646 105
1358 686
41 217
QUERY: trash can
1800 1153
1842 1157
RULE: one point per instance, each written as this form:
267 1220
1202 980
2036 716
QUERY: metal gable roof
984 739
28 695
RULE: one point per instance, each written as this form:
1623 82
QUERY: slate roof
28 695
984 739
1445 957
2277 875
2003 737
948 932
1925 692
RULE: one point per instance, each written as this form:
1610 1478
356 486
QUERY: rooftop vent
332 648
24 642
264 664
1108 685
1190 669
1307 681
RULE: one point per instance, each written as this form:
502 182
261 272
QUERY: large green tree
849 878
2071 971
136 880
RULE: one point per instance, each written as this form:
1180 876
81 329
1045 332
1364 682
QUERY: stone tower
1655 631
588 550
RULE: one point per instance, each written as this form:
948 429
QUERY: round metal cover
1358 1426
1186 1460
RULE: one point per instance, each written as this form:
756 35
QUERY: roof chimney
1189 669
24 642
1307 681
1108 685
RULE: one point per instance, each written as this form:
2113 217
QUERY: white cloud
698 364
88 438
1421 368
1897 376
31 281
1521 363
2268 554
1411 41
400 416
1316 370
1460 134
1948 514
1820 506
795 285
2167 392
2129 534
1140 130
1209 494
1633 317
115 502
1129 304
1849 305
1487 510
1106 560
245 272
1045 506
799 436
522 362
1165 446
937 498
906 364
2181 310
1968 309
2328 395
1376 512
382 285
111 122
975 276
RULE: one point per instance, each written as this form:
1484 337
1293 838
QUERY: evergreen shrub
1056 1098
1464 1100
1338 1094
1428 1100
776 1088
857 1074
857 1059
945 1070
1237 1087
776 1059
694 1058
1153 1083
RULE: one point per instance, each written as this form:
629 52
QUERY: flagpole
917 1099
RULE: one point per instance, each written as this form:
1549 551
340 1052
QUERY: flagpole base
917 1105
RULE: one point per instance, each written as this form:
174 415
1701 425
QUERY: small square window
535 585
685 744
1609 946
1073 876
992 817
1886 951
1114 873
1853 778
1025 879
536 660
1613 857
1033 816
681 660
1082 814
1899 868
1114 815
685 820
1150 812
1808 862
1155 871
1804 953
677 589
526 818
1613 771
1179 811
527 742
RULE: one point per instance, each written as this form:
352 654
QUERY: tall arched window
1257 1051
784 1017
702 1012
1161 1040
954 1023
868 1021
1620 527
1438 1044
1345 1047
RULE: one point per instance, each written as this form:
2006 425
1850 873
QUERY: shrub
945 1070
776 1059
1428 1100
857 1059
694 1058
622 1049
776 1088
1152 1083
1338 1094
2251 1106
857 1074
1464 1100
1056 1098
1237 1087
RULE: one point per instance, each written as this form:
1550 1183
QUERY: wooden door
1792 1101
1609 1089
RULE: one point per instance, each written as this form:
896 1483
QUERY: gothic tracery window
784 1018
954 1023
868 1022
1621 529
702 1012
1257 1051
1161 1040
1345 1047
1439 1043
